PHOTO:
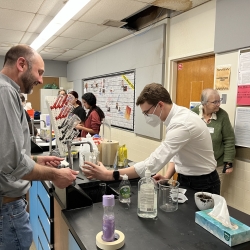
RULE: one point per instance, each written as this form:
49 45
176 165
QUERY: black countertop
175 230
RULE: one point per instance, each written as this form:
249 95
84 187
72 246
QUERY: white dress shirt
188 139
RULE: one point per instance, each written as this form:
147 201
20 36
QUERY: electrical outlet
224 98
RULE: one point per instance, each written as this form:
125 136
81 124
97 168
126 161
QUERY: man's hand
64 177
99 172
52 161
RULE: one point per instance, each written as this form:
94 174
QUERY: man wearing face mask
187 140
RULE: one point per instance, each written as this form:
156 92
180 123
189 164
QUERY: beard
28 82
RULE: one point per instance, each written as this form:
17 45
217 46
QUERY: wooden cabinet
61 229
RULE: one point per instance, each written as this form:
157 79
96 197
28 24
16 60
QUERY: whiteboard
115 94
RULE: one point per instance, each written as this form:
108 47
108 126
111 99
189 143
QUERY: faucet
44 123
69 143
33 137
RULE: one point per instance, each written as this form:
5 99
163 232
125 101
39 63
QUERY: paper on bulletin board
243 95
244 68
222 80
242 127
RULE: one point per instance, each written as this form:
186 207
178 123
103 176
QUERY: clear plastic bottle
88 135
147 197
108 224
124 190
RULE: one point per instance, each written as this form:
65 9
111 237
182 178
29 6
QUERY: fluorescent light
70 9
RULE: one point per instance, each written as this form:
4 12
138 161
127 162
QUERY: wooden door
34 98
193 76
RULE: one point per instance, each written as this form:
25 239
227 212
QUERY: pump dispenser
124 190
147 197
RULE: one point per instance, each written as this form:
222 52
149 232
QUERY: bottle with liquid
147 197
124 190
108 224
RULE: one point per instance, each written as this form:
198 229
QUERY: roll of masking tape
118 243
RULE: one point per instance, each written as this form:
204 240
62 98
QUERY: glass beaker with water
168 195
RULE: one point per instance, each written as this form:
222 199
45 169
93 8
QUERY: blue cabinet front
72 243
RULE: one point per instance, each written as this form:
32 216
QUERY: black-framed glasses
146 112
217 102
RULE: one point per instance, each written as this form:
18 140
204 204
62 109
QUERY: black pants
206 183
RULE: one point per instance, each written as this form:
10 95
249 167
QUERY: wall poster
115 94
222 77
243 94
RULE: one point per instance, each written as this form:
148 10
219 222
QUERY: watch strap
116 175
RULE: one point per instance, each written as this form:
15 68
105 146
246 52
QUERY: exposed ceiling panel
21 21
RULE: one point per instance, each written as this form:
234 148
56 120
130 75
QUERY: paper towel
108 151
220 212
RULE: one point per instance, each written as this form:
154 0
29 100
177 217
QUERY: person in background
94 117
78 109
220 129
62 92
22 70
28 118
187 138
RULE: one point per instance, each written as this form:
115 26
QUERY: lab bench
76 228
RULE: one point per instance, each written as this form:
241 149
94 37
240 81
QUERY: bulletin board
115 94
242 116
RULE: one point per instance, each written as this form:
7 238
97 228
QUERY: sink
95 191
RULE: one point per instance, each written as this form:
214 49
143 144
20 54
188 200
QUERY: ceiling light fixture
70 9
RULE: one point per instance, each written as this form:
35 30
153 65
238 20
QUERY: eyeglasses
146 112
217 102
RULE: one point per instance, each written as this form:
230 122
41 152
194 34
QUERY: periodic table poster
115 94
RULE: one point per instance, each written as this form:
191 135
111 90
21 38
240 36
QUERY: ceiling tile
74 53
83 30
112 9
10 36
15 20
65 42
23 5
48 57
111 34
90 45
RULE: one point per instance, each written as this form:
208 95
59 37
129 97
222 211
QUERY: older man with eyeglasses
220 129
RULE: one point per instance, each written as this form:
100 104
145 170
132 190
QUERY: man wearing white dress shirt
187 140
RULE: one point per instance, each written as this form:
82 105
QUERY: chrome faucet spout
44 123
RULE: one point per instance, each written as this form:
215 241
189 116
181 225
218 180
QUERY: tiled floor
33 247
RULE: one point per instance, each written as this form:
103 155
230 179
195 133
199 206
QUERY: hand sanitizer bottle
147 197
124 190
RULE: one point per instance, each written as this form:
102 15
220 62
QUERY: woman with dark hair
94 117
78 109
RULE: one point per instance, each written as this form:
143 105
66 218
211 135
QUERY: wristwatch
116 175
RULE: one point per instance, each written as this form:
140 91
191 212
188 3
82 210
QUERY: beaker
168 195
